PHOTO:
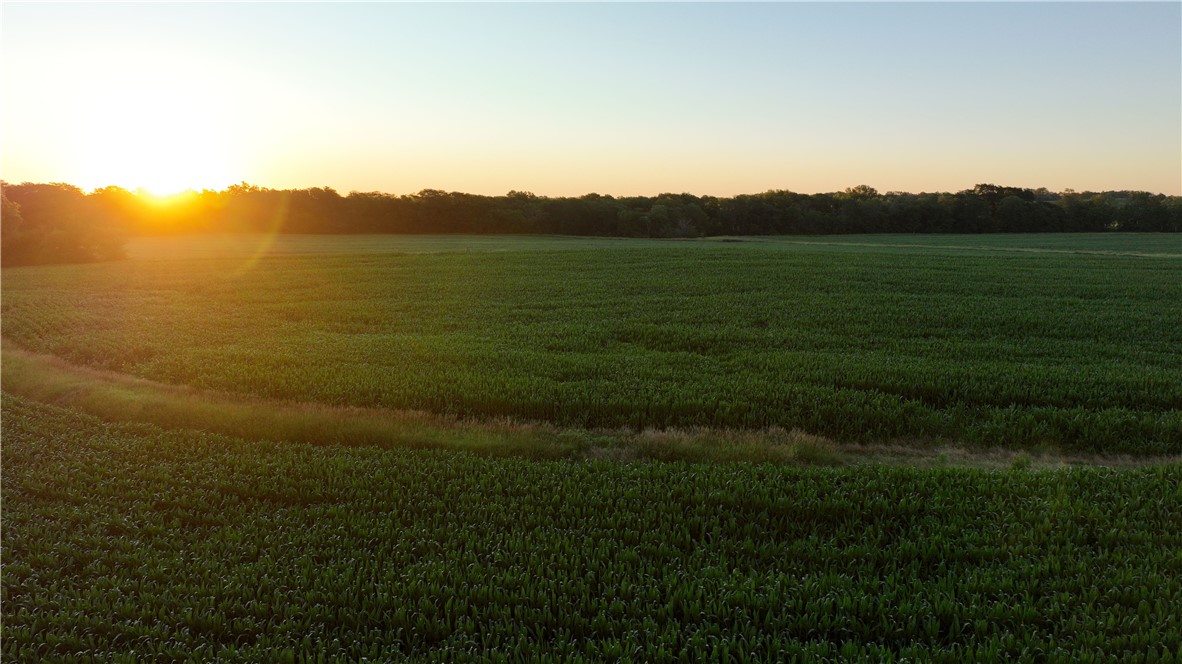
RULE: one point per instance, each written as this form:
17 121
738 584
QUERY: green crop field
442 449
131 542
1044 342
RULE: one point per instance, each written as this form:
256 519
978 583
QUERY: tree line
61 223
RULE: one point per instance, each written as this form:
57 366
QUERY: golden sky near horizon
615 99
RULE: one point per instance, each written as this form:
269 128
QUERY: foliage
865 341
127 542
984 209
117 397
54 223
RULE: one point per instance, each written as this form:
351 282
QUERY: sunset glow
167 199
616 99
155 131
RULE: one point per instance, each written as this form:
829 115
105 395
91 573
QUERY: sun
163 160
168 200
162 138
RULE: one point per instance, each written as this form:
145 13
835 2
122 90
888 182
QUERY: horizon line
145 191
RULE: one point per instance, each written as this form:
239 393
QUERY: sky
568 99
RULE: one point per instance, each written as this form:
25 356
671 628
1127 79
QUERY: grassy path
117 397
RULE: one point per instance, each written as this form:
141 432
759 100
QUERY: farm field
127 542
249 245
1131 244
1054 343
442 449
548 333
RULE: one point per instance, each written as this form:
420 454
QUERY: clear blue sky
621 99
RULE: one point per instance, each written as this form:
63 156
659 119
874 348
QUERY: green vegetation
119 398
53 227
1144 244
53 211
128 542
441 449
995 345
244 245
59 223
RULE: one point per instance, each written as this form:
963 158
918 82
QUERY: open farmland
1055 343
256 489
131 542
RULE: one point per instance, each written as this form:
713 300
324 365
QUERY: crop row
1053 350
128 541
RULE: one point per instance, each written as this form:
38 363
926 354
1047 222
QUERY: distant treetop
58 222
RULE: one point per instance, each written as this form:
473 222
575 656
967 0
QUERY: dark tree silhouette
59 223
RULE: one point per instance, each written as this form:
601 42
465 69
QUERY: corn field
859 342
132 543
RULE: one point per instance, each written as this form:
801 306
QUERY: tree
11 231
55 224
859 192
